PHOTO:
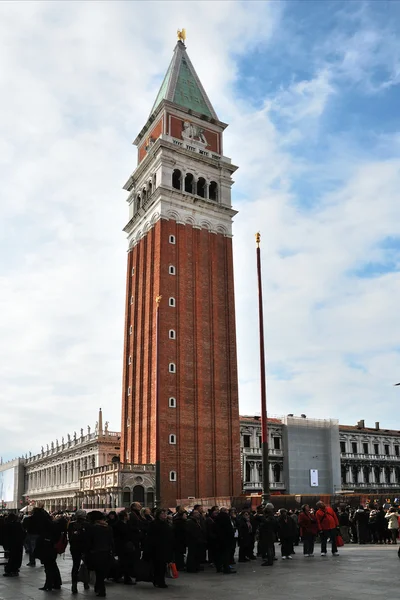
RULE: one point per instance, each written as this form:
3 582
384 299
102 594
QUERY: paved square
359 572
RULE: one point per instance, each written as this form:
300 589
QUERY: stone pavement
359 572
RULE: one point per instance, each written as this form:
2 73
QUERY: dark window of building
246 441
259 441
189 180
277 443
248 472
377 474
354 447
366 474
396 450
397 474
376 448
387 449
344 474
201 187
387 474
277 473
355 474
213 191
365 448
342 446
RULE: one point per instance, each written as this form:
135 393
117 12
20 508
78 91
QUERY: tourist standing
327 524
77 537
392 518
13 543
159 546
308 530
287 533
100 550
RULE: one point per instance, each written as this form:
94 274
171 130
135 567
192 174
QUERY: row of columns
355 474
256 472
59 474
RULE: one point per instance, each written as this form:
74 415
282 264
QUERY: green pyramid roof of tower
182 85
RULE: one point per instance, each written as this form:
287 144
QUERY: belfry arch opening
176 179
201 187
213 191
189 180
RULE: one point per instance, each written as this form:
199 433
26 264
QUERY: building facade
53 476
370 459
12 477
180 389
348 458
251 454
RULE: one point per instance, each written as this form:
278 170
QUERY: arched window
172 270
150 189
377 472
172 438
277 473
144 195
213 191
201 187
130 360
171 302
172 368
172 475
176 179
172 334
172 239
189 181
131 299
172 402
138 202
138 494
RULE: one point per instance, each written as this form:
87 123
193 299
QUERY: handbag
171 571
62 543
339 541
83 573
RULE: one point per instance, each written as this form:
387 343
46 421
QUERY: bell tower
180 389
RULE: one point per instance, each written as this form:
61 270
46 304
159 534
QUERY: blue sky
311 94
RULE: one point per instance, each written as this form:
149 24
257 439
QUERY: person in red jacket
308 529
327 524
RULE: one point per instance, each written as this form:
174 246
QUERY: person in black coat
179 544
212 536
34 524
124 547
77 537
196 542
100 550
13 543
159 546
267 534
46 552
245 537
287 533
225 541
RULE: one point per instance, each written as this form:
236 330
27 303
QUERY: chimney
377 425
303 416
361 424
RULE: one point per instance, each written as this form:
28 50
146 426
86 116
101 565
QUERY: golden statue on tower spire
181 35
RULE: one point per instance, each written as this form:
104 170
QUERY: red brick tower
180 247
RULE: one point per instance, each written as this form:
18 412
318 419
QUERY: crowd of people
143 544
